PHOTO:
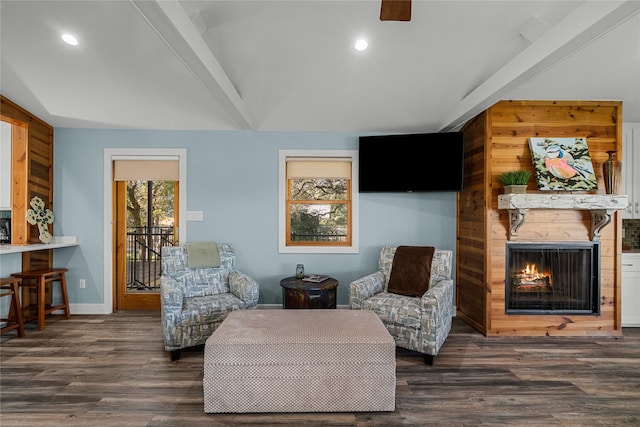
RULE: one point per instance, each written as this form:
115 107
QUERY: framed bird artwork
563 164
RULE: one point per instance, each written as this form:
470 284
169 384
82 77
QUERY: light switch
195 215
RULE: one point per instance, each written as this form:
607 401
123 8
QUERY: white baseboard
100 308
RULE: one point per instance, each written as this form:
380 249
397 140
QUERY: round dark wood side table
298 293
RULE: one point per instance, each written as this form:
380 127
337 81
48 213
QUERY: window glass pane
318 189
319 222
150 217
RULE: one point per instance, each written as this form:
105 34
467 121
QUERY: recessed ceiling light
68 38
361 45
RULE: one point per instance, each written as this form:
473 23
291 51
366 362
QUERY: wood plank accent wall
32 175
496 141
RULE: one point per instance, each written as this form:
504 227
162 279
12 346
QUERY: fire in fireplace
552 278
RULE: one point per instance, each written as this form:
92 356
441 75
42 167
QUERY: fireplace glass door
552 278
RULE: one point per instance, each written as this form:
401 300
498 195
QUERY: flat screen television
411 162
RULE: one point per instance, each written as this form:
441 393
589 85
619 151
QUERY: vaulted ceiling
291 66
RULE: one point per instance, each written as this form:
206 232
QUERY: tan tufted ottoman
300 361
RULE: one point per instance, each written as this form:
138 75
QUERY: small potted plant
515 182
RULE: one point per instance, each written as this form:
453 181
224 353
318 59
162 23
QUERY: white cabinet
631 169
5 166
631 289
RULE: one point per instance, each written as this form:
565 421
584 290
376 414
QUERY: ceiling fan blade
395 10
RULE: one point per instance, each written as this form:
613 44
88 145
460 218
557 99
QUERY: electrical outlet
83 283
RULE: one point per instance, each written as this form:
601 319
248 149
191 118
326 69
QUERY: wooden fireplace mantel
602 207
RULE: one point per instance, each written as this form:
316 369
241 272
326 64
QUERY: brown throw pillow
411 270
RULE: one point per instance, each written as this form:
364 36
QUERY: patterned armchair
194 302
419 324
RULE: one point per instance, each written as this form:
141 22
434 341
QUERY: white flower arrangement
41 216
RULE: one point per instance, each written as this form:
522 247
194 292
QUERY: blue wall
233 178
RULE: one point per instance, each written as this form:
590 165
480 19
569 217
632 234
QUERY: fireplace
552 278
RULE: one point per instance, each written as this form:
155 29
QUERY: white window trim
282 200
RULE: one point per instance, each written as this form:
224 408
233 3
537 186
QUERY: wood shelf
602 207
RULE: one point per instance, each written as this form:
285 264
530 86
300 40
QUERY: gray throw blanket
202 255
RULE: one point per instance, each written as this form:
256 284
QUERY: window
318 201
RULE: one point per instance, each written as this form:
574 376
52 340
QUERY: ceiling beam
173 25
586 23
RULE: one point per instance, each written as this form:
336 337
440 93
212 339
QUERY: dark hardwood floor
112 370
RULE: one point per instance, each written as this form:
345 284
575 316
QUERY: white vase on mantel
515 189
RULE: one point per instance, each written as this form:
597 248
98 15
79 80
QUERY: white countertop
56 242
